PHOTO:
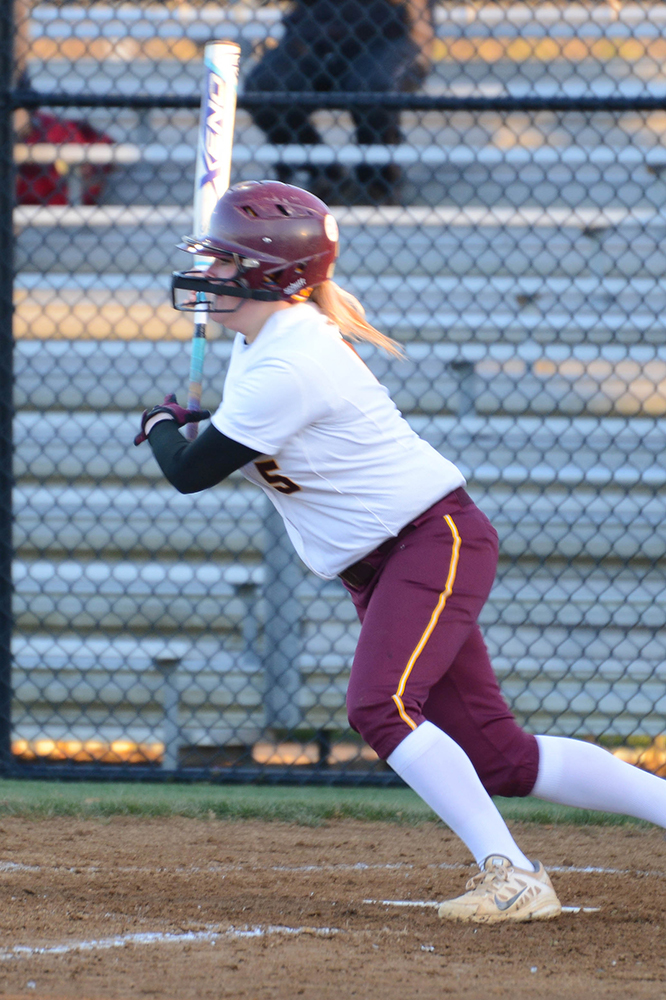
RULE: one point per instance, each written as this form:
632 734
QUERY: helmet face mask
198 291
282 239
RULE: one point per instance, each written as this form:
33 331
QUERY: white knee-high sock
573 773
442 774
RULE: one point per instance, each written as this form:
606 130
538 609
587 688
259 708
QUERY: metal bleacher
535 360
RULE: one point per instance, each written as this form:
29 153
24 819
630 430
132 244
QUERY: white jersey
341 464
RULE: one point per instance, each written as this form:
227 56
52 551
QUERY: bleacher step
157 522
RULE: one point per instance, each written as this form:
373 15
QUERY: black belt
360 573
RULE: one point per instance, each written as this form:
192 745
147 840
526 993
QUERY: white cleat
501 892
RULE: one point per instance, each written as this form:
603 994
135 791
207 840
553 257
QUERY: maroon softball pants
421 655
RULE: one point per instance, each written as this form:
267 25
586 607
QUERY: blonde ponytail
349 316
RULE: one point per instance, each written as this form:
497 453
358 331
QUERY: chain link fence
500 196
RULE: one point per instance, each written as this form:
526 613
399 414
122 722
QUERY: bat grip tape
196 367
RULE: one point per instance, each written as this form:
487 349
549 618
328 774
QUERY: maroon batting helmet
282 239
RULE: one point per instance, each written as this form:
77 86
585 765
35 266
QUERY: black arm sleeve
196 465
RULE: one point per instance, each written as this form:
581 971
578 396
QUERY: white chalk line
430 903
359 866
13 866
212 869
212 936
163 937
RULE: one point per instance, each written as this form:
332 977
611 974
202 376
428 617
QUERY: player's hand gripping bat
178 414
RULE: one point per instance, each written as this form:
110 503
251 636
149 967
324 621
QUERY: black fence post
6 374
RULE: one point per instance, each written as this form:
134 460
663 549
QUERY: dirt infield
180 908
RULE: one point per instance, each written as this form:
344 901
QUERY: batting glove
177 413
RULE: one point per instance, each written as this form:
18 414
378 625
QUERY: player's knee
514 772
357 715
365 718
377 722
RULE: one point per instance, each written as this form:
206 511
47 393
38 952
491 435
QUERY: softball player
365 499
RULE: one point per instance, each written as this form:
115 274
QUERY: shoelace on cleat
494 877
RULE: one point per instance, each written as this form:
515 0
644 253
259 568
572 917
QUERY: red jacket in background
43 184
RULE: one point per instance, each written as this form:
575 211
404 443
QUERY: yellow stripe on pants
434 618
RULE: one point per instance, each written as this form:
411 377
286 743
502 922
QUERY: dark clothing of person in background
356 46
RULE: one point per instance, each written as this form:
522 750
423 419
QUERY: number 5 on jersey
266 469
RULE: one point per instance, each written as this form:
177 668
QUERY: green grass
308 806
